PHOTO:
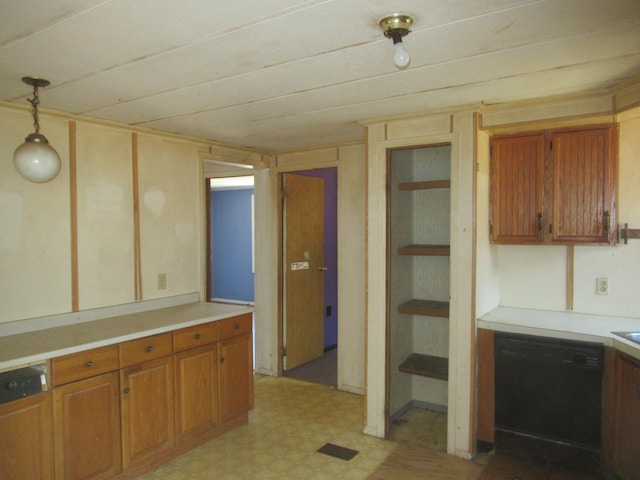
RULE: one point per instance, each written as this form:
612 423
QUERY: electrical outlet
162 281
602 286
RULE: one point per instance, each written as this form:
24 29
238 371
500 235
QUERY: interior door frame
280 226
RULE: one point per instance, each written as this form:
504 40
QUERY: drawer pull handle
221 359
150 348
126 390
236 326
89 363
197 336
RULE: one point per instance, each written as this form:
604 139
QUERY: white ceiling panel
286 74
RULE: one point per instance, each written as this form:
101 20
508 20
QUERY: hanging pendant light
35 159
396 26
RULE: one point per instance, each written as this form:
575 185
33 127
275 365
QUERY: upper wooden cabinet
554 187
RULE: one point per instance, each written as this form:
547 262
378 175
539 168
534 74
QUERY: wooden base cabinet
26 442
87 429
147 410
235 358
196 380
621 451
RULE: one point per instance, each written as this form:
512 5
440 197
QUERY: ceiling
288 74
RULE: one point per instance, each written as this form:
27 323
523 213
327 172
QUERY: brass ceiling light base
36 82
399 23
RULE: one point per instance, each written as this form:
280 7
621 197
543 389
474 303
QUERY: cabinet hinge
283 194
490 228
550 145
490 152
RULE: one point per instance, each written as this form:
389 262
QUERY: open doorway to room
231 245
310 278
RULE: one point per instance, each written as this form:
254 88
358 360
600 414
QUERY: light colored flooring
292 419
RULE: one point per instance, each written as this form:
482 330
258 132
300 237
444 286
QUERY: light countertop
568 325
39 345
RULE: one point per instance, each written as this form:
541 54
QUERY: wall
231 245
126 207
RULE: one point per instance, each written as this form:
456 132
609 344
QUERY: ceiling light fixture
396 26
35 159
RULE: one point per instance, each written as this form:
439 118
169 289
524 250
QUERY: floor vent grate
337 451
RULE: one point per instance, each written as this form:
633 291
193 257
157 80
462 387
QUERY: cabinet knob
539 221
89 363
126 390
12 385
150 348
221 359
197 336
236 326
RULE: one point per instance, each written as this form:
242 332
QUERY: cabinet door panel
235 358
147 410
582 191
26 445
196 391
87 428
517 188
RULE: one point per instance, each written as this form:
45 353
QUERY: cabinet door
626 430
517 189
87 428
147 410
196 391
235 359
26 443
583 191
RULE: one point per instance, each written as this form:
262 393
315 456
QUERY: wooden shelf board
424 185
431 308
433 250
426 366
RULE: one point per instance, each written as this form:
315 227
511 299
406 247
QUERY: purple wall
330 176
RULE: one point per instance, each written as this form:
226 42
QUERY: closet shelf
426 366
431 308
424 185
432 250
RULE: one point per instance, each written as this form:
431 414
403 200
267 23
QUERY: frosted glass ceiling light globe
396 26
35 159
401 58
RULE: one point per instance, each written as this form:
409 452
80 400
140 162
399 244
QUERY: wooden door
303 242
26 444
196 391
582 169
235 369
147 410
517 189
87 428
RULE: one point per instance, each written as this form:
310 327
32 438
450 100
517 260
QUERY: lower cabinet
196 379
87 428
147 410
622 425
26 444
235 358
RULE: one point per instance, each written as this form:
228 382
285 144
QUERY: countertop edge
163 327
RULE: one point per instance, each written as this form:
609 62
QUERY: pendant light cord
34 108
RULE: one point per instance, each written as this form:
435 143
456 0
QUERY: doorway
231 245
312 357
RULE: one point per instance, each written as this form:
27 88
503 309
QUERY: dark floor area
323 370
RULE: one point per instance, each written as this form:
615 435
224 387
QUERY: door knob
322 268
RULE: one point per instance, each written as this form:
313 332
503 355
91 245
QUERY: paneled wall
134 209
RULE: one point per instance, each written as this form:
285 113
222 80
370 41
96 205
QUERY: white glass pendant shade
401 57
36 160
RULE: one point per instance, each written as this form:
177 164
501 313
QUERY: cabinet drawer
144 349
89 363
234 326
192 337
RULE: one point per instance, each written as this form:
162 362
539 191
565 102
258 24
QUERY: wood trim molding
137 260
73 211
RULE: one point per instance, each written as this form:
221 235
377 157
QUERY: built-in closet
419 206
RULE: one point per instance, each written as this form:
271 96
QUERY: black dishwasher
548 402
